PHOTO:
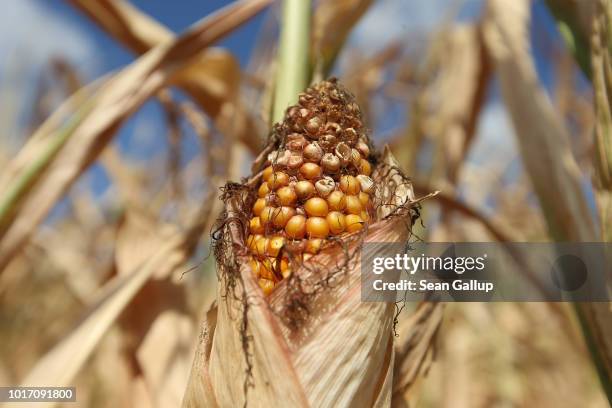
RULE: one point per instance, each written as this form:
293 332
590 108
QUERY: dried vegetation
113 294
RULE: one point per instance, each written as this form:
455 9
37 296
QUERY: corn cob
316 185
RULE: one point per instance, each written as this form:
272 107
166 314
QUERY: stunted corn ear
315 185
289 327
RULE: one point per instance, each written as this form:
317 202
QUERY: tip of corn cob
314 186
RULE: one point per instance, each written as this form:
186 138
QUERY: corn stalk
544 144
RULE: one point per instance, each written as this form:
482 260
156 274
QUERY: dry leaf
332 23
117 99
544 144
212 80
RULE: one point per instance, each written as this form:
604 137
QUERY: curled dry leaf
115 101
212 80
312 341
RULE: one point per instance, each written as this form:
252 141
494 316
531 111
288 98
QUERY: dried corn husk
312 342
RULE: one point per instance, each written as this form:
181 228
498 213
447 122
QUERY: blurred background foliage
120 122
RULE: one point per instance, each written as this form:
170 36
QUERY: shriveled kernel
286 196
349 184
364 198
294 161
316 227
351 135
304 112
337 200
275 244
316 207
313 246
353 205
336 222
296 142
263 190
259 205
356 158
313 125
296 227
266 285
277 180
267 215
281 215
313 152
330 163
310 171
304 189
353 223
267 172
363 148
328 141
343 152
325 186
278 159
365 167
255 226
366 183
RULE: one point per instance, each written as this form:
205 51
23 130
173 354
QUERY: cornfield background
111 173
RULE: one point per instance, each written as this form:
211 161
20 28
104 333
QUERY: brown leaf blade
114 102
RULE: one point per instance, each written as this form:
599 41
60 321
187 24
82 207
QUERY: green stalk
575 36
292 70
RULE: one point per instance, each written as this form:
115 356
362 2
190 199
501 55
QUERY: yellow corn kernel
259 205
364 198
353 223
316 227
316 207
261 245
353 205
313 246
310 171
286 196
336 222
277 180
304 189
252 241
266 285
267 215
349 185
296 227
263 190
255 226
337 201
281 215
365 167
275 244
267 173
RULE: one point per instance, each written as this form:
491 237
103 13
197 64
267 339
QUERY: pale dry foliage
113 296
